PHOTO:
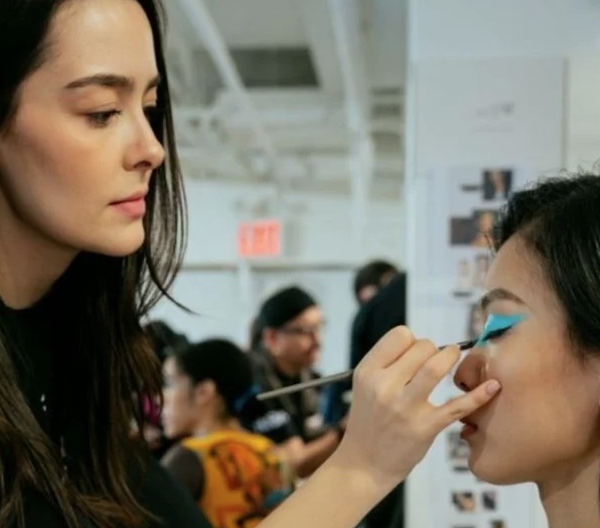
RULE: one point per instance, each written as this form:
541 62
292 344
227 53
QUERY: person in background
236 477
383 311
291 323
255 337
164 340
371 278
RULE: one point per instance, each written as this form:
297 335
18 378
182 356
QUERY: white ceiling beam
202 21
317 24
350 48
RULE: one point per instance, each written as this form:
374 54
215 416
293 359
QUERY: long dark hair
102 300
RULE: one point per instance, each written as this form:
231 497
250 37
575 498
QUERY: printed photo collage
469 237
463 205
476 503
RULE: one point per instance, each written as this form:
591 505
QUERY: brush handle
319 382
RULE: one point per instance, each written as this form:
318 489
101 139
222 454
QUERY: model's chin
493 471
124 242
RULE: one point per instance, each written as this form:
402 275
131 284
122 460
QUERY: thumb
461 406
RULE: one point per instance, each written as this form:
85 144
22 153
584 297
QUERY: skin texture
297 345
543 426
69 153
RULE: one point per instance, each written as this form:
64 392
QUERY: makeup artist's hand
391 423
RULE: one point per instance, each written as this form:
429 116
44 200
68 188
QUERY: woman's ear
204 391
269 337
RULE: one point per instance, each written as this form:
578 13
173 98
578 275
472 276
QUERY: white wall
511 28
324 234
583 112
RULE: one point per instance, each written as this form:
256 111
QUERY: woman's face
179 413
76 159
544 423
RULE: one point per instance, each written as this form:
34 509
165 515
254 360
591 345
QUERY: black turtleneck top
36 355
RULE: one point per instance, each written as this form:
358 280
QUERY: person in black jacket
380 289
287 339
382 312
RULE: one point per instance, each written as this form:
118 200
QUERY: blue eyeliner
498 323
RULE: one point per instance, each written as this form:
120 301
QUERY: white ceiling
259 23
307 129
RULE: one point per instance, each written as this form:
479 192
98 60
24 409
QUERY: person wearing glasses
289 346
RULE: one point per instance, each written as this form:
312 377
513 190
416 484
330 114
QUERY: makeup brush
463 345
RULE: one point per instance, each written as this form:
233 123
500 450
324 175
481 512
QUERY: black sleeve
357 348
378 316
186 468
39 513
275 424
267 418
157 491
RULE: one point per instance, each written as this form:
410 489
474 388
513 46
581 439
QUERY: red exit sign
259 238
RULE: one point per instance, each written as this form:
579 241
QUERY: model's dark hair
559 221
371 274
222 362
101 302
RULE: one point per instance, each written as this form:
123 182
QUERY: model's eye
497 325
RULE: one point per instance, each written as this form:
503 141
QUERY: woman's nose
471 372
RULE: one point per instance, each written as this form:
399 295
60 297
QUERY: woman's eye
497 334
102 119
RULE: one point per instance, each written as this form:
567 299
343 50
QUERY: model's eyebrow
110 80
499 294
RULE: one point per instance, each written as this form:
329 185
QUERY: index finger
388 349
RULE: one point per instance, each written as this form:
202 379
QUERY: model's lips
469 428
133 206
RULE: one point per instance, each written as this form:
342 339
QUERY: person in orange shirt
235 476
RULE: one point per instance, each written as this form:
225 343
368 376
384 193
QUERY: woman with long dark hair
91 235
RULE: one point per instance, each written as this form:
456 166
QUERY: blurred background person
383 311
371 278
289 324
235 476
164 340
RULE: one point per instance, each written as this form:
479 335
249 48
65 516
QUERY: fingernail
492 387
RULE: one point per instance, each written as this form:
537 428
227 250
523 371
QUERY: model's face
76 159
545 421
